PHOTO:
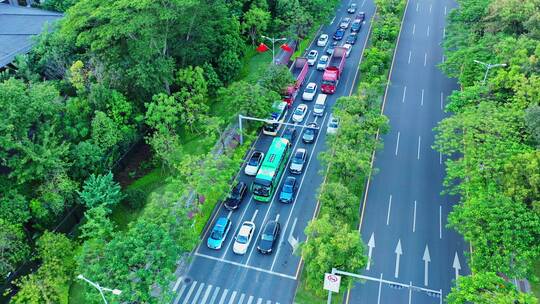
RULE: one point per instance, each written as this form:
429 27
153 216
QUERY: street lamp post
273 40
488 67
100 288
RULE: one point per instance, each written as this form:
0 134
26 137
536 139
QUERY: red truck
299 70
332 73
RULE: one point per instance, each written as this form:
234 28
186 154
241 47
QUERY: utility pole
488 67
100 288
273 40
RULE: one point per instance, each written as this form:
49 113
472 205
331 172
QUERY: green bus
267 179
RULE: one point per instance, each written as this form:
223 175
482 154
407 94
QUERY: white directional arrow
426 259
371 245
398 252
456 265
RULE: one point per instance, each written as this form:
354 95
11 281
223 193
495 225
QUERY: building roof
17 25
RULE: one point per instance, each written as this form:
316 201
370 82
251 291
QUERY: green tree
331 244
487 288
101 190
13 246
15 209
97 224
255 21
532 121
521 179
338 202
276 78
249 99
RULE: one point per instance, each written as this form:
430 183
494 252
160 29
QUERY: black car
352 8
361 17
269 237
310 133
356 26
331 48
338 35
351 39
289 134
234 199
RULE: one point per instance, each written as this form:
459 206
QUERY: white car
310 91
300 113
312 57
349 48
254 163
323 40
243 239
333 125
323 62
345 22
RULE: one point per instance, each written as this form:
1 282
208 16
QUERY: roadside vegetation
492 141
109 78
333 240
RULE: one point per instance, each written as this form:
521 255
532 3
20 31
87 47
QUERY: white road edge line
430 5
444 32
440 158
380 287
442 101
422 99
397 143
389 208
445 10
419 141
246 266
413 28
410 292
409 60
417 5
428 30
363 2
404 93
425 58
333 19
414 218
440 222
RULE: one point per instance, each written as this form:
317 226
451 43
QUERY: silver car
298 161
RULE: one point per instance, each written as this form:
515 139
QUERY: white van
320 105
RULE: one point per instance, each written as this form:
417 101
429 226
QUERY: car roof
246 227
270 226
290 179
301 150
256 153
312 124
239 184
313 52
302 105
323 35
311 84
324 56
221 222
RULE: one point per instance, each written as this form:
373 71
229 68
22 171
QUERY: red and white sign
331 282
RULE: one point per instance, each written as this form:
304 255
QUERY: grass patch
254 65
535 286
306 296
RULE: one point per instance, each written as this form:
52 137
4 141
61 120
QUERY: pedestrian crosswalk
201 293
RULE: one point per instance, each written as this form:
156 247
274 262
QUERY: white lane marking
206 293
298 191
440 158
180 294
456 265
442 59
371 245
196 298
440 222
223 296
380 287
231 300
177 284
229 215
245 266
277 217
250 300
241 300
254 215
214 296
422 99
410 292
430 8
445 10
414 218
398 251
413 29
259 301
444 32
404 92
425 58
363 2
426 258
417 5
268 302
409 60
333 19
428 30
190 291
419 140
397 143
388 212
442 101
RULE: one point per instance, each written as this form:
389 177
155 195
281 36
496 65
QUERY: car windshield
323 60
298 112
297 159
242 239
318 106
254 161
309 132
322 38
310 89
216 235
287 188
267 237
312 54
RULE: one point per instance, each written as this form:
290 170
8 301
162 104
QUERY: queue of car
271 230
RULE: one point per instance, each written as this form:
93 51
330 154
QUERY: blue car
219 233
288 190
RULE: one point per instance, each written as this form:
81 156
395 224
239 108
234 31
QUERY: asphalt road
220 276
404 211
